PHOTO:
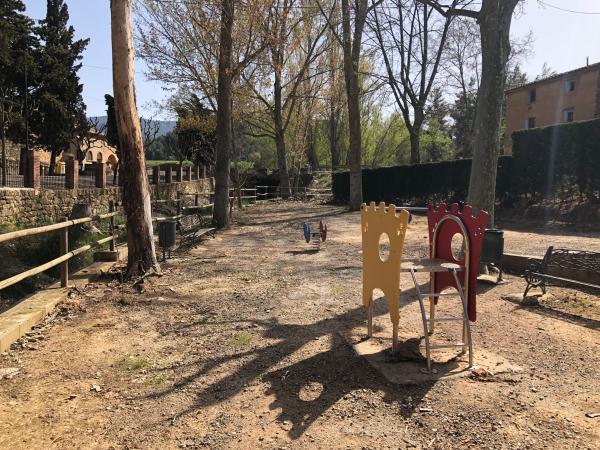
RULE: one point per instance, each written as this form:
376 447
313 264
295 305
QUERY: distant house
95 149
566 97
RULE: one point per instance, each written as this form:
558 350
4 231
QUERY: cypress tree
61 117
17 44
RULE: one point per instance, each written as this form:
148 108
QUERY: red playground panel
442 248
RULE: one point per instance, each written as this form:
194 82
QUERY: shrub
563 158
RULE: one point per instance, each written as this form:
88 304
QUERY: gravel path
238 345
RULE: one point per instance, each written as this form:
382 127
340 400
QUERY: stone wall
29 207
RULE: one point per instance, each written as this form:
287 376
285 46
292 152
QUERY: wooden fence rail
66 254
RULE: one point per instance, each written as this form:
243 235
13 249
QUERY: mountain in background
164 126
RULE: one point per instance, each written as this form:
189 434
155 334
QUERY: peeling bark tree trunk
136 193
494 23
224 131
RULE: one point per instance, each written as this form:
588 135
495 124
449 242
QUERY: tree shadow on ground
338 370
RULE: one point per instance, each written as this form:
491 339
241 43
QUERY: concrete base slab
409 366
21 318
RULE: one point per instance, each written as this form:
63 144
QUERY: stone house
566 97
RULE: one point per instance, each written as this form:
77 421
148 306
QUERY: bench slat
565 280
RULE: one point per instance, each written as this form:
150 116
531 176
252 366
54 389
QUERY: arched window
89 156
99 156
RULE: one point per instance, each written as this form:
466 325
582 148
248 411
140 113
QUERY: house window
569 115
532 96
89 156
531 122
570 85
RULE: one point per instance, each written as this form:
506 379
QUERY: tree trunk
136 193
334 139
415 146
53 155
224 131
494 23
311 151
284 177
351 48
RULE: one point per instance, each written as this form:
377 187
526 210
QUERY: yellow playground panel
382 272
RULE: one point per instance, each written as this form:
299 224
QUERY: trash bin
167 234
493 249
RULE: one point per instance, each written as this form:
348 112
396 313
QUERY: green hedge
559 157
546 161
446 180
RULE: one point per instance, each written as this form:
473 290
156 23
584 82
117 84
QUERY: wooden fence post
156 175
189 173
64 248
168 175
178 203
197 172
179 174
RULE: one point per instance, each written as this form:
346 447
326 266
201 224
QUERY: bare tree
183 43
136 194
353 19
150 130
494 19
297 41
411 38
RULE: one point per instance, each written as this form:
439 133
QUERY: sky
562 39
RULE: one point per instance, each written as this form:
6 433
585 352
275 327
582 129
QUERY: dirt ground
239 345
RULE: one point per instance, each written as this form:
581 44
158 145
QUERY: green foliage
419 183
194 132
559 157
463 116
17 47
385 140
435 141
59 116
545 162
112 134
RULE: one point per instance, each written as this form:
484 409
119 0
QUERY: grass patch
132 363
155 381
239 339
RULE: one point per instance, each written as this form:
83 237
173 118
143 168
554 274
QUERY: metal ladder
428 322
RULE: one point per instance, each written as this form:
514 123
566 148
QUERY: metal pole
64 248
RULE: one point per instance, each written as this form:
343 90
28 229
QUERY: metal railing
11 175
65 253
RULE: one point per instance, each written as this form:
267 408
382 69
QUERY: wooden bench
569 264
190 228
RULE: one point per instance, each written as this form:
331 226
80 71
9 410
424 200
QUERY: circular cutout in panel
384 247
458 246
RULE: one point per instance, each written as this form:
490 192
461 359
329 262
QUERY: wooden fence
65 254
